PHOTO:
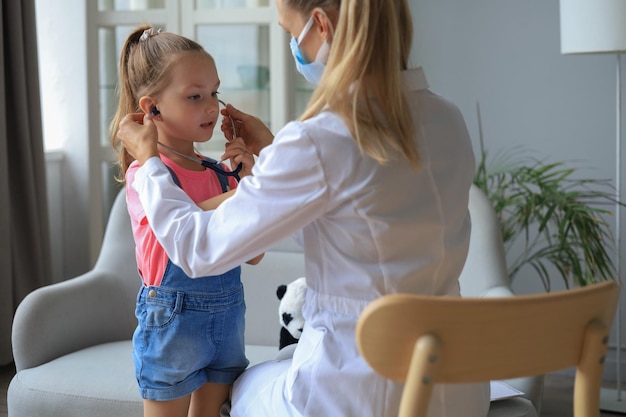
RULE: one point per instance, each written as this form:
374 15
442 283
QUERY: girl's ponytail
127 102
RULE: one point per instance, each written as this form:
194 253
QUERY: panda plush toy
291 298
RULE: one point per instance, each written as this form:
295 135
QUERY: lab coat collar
415 79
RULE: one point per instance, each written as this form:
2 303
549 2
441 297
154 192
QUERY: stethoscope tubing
215 166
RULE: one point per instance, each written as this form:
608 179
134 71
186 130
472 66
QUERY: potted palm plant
553 220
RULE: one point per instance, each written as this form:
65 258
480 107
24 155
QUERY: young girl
189 344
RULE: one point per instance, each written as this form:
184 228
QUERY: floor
557 400
557 397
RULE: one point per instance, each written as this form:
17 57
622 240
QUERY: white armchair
485 275
72 340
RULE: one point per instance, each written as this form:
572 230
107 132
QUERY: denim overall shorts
190 332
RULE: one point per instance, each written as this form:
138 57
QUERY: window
251 53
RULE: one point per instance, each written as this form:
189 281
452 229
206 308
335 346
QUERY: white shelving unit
238 33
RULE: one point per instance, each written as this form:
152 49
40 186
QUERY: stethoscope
207 163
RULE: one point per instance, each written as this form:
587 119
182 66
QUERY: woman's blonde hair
146 62
363 81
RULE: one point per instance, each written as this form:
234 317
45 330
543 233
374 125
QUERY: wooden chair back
424 340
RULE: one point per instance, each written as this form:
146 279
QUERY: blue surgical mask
312 71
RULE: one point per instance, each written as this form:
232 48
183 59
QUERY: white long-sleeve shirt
366 229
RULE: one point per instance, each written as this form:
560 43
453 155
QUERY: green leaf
556 218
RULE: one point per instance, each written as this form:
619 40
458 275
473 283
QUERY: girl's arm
213 202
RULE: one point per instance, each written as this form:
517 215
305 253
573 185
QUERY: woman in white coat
373 179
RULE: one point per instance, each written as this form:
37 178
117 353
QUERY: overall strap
174 177
223 179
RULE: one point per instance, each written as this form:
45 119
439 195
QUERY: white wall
505 54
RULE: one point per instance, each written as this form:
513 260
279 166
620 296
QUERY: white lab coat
366 230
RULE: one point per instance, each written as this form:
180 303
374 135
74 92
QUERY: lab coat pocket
306 359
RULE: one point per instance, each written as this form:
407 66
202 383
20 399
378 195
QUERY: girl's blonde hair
363 81
145 69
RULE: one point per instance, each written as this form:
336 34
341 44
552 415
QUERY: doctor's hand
138 135
255 134
237 152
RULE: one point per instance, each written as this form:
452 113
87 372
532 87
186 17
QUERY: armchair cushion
98 381
60 319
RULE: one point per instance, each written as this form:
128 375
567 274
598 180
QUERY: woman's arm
213 203
139 136
287 191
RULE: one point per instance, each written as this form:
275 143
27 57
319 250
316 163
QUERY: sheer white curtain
24 240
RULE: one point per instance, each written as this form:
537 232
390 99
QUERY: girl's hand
138 135
252 130
237 152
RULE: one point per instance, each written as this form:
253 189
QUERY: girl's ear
146 104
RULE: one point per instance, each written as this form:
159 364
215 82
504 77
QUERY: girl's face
189 106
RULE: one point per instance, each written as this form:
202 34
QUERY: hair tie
148 33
